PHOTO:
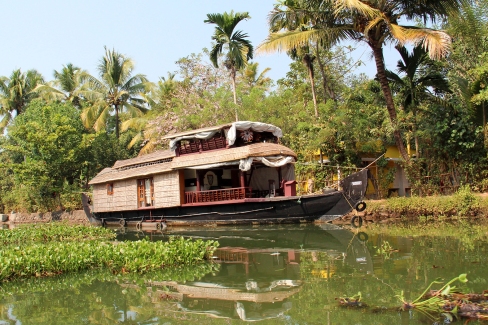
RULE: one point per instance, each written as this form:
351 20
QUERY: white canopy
253 126
232 134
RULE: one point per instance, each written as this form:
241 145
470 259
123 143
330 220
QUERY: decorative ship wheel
247 135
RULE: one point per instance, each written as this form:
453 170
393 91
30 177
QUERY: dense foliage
61 133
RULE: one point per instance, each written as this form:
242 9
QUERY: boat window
110 189
145 193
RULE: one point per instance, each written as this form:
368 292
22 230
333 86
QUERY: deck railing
198 145
227 194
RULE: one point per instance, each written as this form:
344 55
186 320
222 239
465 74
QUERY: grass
463 203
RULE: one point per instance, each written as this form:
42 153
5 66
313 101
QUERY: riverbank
464 204
75 217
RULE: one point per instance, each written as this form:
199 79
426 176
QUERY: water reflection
260 267
277 275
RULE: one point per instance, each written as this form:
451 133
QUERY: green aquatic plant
354 301
120 257
385 249
51 249
436 299
53 232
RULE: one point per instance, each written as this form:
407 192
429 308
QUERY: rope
374 161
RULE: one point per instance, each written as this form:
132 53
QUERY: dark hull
321 207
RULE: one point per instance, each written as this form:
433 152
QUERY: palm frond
285 41
356 5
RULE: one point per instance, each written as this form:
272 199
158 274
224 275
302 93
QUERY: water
271 275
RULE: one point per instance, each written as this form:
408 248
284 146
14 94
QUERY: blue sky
46 34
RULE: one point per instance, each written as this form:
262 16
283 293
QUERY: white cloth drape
245 164
201 135
253 126
277 161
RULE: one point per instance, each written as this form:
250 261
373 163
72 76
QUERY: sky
45 35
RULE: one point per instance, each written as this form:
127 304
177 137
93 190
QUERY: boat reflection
261 268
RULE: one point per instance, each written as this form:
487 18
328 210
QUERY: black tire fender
361 206
356 221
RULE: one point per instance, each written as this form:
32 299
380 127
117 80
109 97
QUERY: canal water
296 274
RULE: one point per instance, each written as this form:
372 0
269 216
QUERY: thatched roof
151 157
117 175
156 163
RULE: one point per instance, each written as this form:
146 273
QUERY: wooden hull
293 209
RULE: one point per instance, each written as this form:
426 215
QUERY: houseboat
227 174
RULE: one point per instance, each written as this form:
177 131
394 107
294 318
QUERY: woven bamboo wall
123 198
167 190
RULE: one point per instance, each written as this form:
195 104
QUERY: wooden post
242 177
198 180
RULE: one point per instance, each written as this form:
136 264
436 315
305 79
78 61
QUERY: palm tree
375 22
294 20
116 90
16 92
253 79
303 54
420 82
66 86
159 99
239 49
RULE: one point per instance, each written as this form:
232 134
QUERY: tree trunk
307 60
390 105
233 75
325 82
313 94
117 121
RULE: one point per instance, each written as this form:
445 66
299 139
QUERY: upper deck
224 136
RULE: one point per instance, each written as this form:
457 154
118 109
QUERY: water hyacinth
39 255
60 232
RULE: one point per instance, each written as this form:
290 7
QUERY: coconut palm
303 54
239 49
159 99
117 90
253 79
375 22
66 86
16 92
294 20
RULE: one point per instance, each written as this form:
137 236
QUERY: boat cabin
236 162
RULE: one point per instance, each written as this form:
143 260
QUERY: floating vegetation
354 301
29 252
450 302
446 301
49 232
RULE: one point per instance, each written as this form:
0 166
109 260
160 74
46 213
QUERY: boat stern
354 187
